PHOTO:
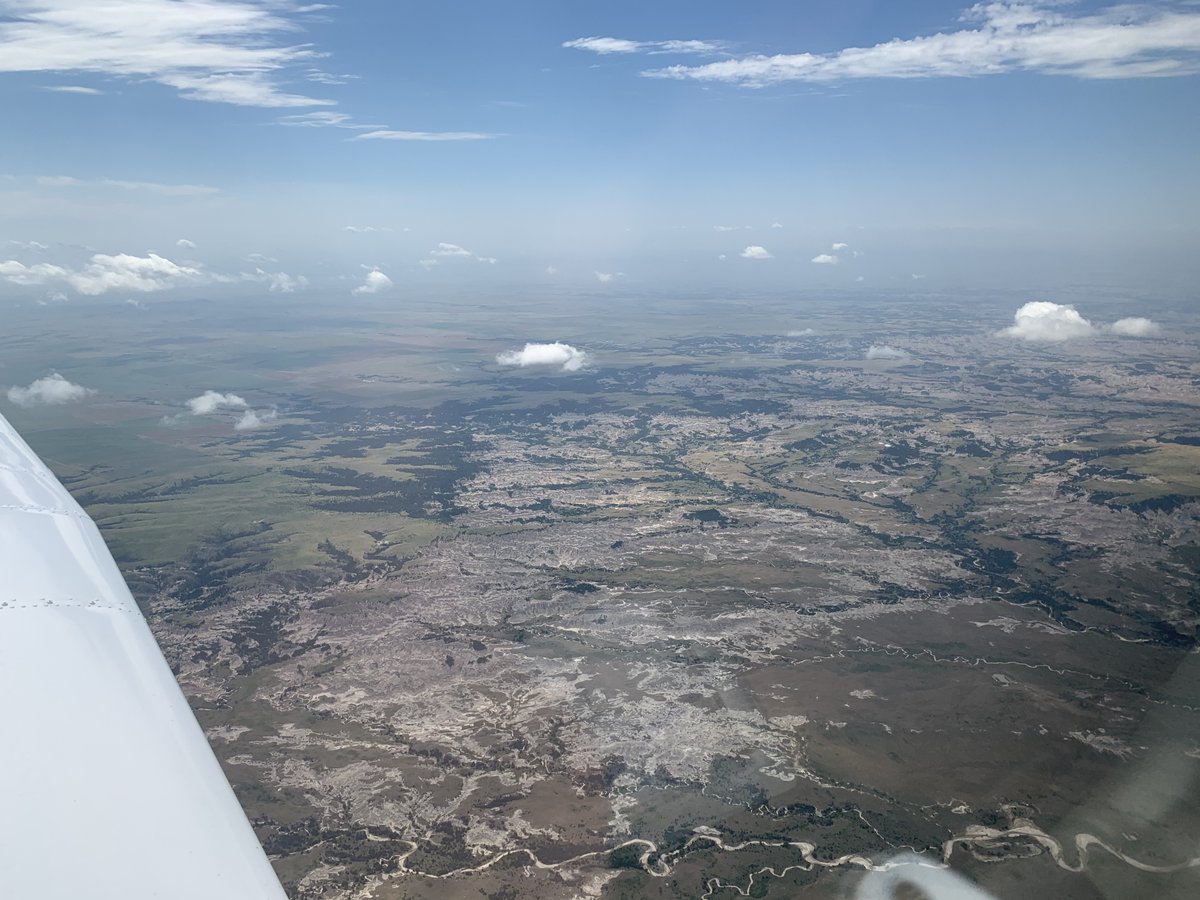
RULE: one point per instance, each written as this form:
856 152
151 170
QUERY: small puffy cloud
1041 320
52 390
490 260
556 354
801 332
364 229
283 283
883 351
376 282
776 224
825 259
212 401
1135 326
251 420
444 249
840 245
604 277
551 270
755 252
428 264
184 242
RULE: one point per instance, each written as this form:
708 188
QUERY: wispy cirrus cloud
385 134
219 51
606 46
1125 41
152 187
72 89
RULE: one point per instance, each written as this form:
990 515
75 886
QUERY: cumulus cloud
556 354
221 51
839 245
185 243
883 351
755 252
776 224
1041 320
105 273
606 277
251 420
283 283
213 401
607 46
444 249
825 259
1135 326
52 390
1125 41
375 283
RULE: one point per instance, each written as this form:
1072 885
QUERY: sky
173 148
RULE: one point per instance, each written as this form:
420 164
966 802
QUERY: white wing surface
108 788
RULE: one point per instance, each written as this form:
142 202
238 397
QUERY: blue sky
301 146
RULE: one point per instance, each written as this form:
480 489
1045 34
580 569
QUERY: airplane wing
108 787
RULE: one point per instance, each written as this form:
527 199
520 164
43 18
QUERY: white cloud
755 252
839 245
125 272
776 224
39 273
72 89
444 249
883 351
1126 41
731 228
801 332
283 283
49 391
223 51
385 134
104 273
1135 326
320 119
184 242
364 229
428 264
551 270
606 46
825 259
608 277
153 187
376 282
250 420
490 260
36 246
556 354
213 401
1041 320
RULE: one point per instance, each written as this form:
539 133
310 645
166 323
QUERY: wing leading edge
108 787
